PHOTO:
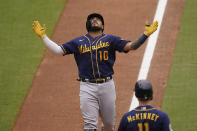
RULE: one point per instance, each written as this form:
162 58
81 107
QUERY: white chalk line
149 51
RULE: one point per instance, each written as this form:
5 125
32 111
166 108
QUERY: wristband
136 44
142 39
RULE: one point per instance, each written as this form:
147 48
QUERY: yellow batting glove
149 29
38 29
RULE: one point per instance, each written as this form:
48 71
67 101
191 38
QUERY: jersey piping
96 55
63 50
91 56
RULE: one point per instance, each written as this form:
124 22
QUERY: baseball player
94 54
144 117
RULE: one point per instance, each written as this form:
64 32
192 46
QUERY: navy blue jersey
95 57
145 118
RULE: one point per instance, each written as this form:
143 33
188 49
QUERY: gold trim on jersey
84 49
91 56
96 52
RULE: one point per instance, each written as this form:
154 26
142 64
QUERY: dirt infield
52 103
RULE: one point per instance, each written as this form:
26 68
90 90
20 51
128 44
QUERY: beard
95 29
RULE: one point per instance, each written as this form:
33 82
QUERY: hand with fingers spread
149 29
38 29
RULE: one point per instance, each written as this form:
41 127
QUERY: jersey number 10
103 55
140 126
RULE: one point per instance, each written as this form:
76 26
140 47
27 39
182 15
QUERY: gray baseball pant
98 99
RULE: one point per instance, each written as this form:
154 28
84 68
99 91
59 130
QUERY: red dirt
52 103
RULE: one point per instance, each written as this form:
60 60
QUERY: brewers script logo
86 48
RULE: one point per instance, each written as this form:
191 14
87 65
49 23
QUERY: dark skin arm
149 29
132 45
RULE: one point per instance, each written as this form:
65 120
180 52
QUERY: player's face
96 22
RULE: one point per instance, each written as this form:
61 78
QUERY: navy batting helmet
143 90
88 22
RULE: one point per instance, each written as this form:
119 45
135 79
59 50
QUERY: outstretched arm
149 29
40 32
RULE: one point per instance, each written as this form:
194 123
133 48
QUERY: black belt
97 80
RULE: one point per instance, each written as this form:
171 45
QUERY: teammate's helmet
88 22
143 90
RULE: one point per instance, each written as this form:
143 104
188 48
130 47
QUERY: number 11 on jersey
140 126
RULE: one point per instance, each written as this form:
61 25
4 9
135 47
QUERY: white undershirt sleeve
52 45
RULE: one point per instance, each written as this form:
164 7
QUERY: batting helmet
88 22
143 90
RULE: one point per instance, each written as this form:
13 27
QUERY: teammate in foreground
144 117
94 54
